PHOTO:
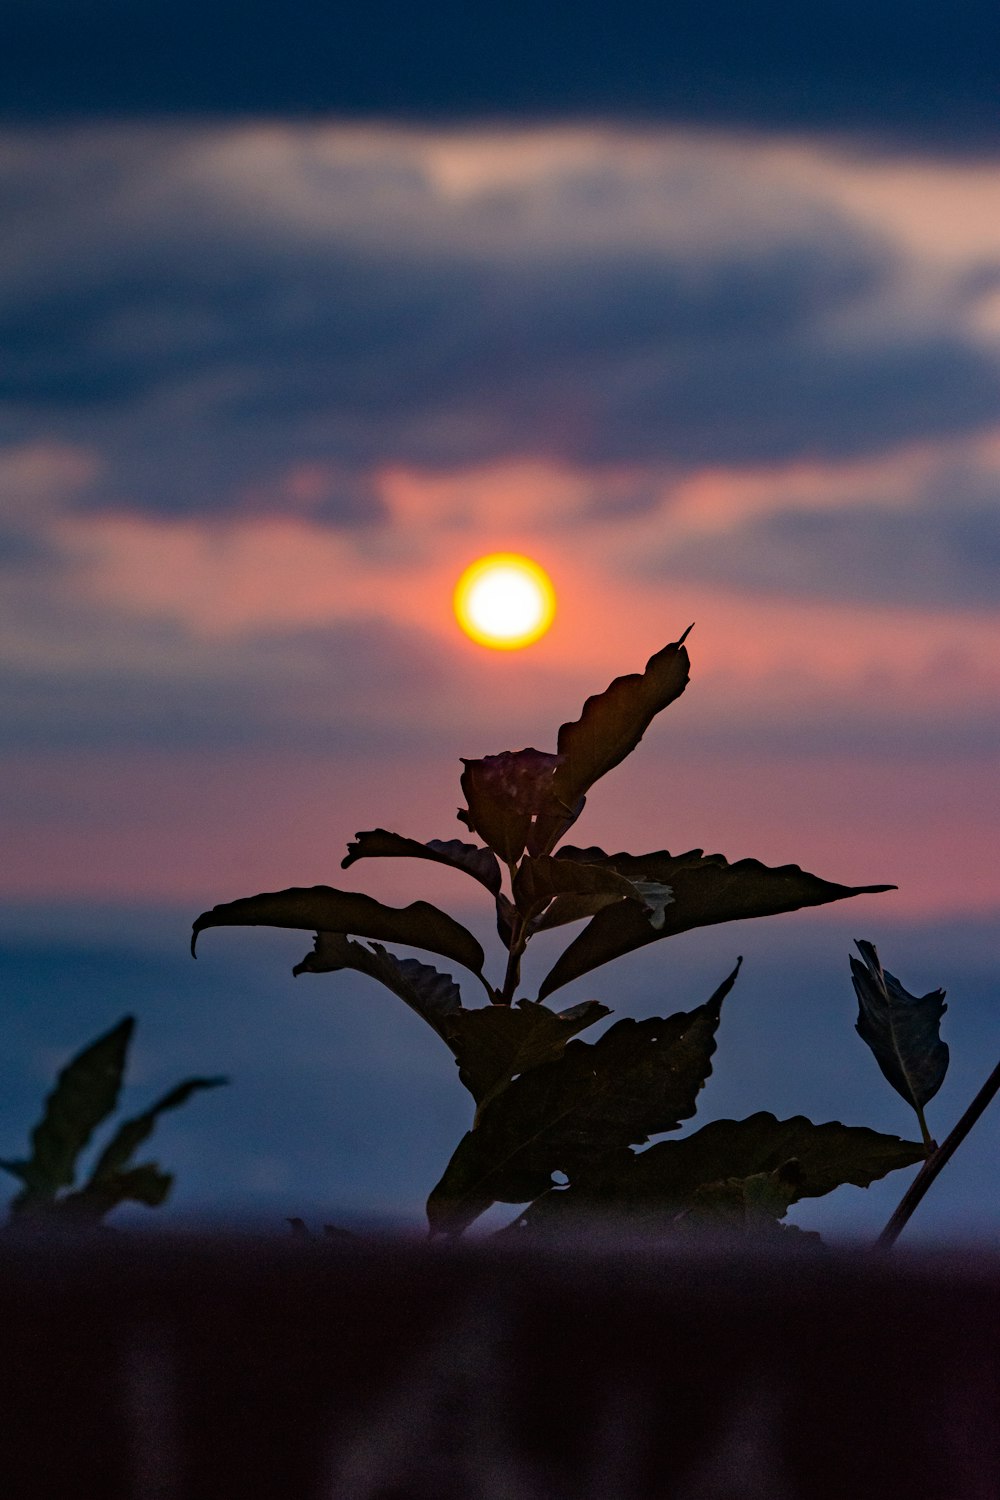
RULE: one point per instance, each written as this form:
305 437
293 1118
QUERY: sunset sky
293 333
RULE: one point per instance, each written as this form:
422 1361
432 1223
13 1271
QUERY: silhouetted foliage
902 1030
84 1096
548 1102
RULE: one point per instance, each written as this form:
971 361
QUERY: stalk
518 943
938 1159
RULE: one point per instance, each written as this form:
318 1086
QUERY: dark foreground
391 1370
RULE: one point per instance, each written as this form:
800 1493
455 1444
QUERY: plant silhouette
85 1094
546 1101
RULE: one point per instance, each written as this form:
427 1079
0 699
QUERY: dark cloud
20 548
941 553
777 399
213 370
337 688
913 74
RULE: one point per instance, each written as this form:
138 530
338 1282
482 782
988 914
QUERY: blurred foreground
385 1369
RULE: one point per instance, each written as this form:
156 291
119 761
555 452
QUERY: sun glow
505 601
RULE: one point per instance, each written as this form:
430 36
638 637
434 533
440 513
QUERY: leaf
639 1078
86 1092
752 1205
827 1155
609 728
323 909
657 1185
902 1030
539 878
131 1133
495 1042
505 793
506 915
706 889
378 843
561 890
549 827
143 1184
433 995
571 908
655 897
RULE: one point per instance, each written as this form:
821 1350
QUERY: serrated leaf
609 728
571 908
131 1133
658 1185
496 1042
85 1094
752 1205
554 891
321 908
639 1078
472 859
902 1030
827 1155
706 889
540 878
142 1184
433 995
505 793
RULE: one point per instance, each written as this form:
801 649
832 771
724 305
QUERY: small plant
548 1103
85 1095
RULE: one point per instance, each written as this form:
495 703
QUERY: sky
298 318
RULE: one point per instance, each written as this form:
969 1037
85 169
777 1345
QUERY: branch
938 1159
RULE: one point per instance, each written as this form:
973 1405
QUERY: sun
505 601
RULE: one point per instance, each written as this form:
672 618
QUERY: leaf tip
353 851
197 927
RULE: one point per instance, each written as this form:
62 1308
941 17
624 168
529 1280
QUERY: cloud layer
229 311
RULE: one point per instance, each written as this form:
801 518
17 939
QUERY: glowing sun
505 601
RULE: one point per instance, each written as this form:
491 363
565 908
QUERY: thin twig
938 1159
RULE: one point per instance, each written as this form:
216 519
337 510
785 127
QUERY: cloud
359 685
940 553
909 74
244 319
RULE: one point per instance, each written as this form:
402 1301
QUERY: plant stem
938 1159
930 1145
513 974
518 943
